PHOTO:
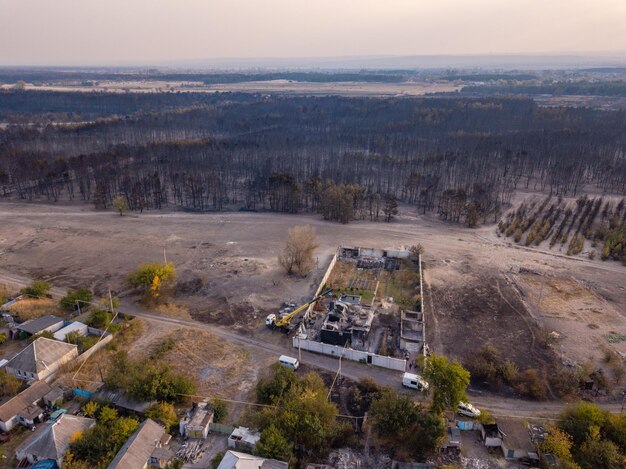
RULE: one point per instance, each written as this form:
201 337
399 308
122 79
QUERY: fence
221 428
350 354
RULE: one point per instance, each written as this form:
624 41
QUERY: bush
164 413
76 299
38 289
99 319
530 384
219 410
153 277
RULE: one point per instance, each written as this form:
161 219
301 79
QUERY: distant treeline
8 76
584 88
345 158
490 76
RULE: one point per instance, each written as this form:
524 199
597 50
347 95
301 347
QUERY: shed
78 327
244 439
491 435
118 399
54 397
236 460
37 326
516 442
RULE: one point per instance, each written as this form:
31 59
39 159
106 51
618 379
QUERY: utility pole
164 256
543 279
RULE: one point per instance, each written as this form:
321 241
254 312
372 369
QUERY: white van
289 362
413 381
467 409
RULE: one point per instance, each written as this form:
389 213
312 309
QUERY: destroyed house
346 322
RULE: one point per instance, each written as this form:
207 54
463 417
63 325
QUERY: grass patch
614 337
32 308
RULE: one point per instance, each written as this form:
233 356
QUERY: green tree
597 453
37 289
273 444
578 419
270 389
90 409
76 299
9 384
449 381
120 205
220 410
153 277
559 443
164 413
393 414
99 318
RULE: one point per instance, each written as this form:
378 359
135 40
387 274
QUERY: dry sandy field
272 86
479 288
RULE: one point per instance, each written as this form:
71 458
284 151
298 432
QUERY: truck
283 322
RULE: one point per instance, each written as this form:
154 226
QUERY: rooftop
516 434
51 440
237 460
201 415
18 403
139 447
38 355
246 435
33 326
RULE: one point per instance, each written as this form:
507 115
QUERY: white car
467 409
413 381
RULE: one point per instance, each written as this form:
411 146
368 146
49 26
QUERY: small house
516 442
15 409
147 446
36 326
54 397
50 441
78 327
41 359
197 425
244 439
236 460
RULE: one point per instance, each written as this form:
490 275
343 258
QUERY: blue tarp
83 393
45 464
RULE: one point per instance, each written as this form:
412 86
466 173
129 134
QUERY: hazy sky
149 31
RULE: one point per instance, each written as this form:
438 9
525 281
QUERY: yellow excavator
283 322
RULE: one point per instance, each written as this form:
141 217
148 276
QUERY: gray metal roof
137 450
27 397
40 354
33 326
50 441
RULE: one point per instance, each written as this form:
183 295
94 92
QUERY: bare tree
297 257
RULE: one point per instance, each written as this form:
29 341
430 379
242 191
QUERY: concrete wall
349 354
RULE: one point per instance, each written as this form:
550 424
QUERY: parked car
414 381
467 409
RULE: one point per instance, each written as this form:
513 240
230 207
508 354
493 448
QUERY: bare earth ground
480 285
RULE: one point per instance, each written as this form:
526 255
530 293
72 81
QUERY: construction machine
283 322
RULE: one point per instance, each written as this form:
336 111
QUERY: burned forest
346 158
